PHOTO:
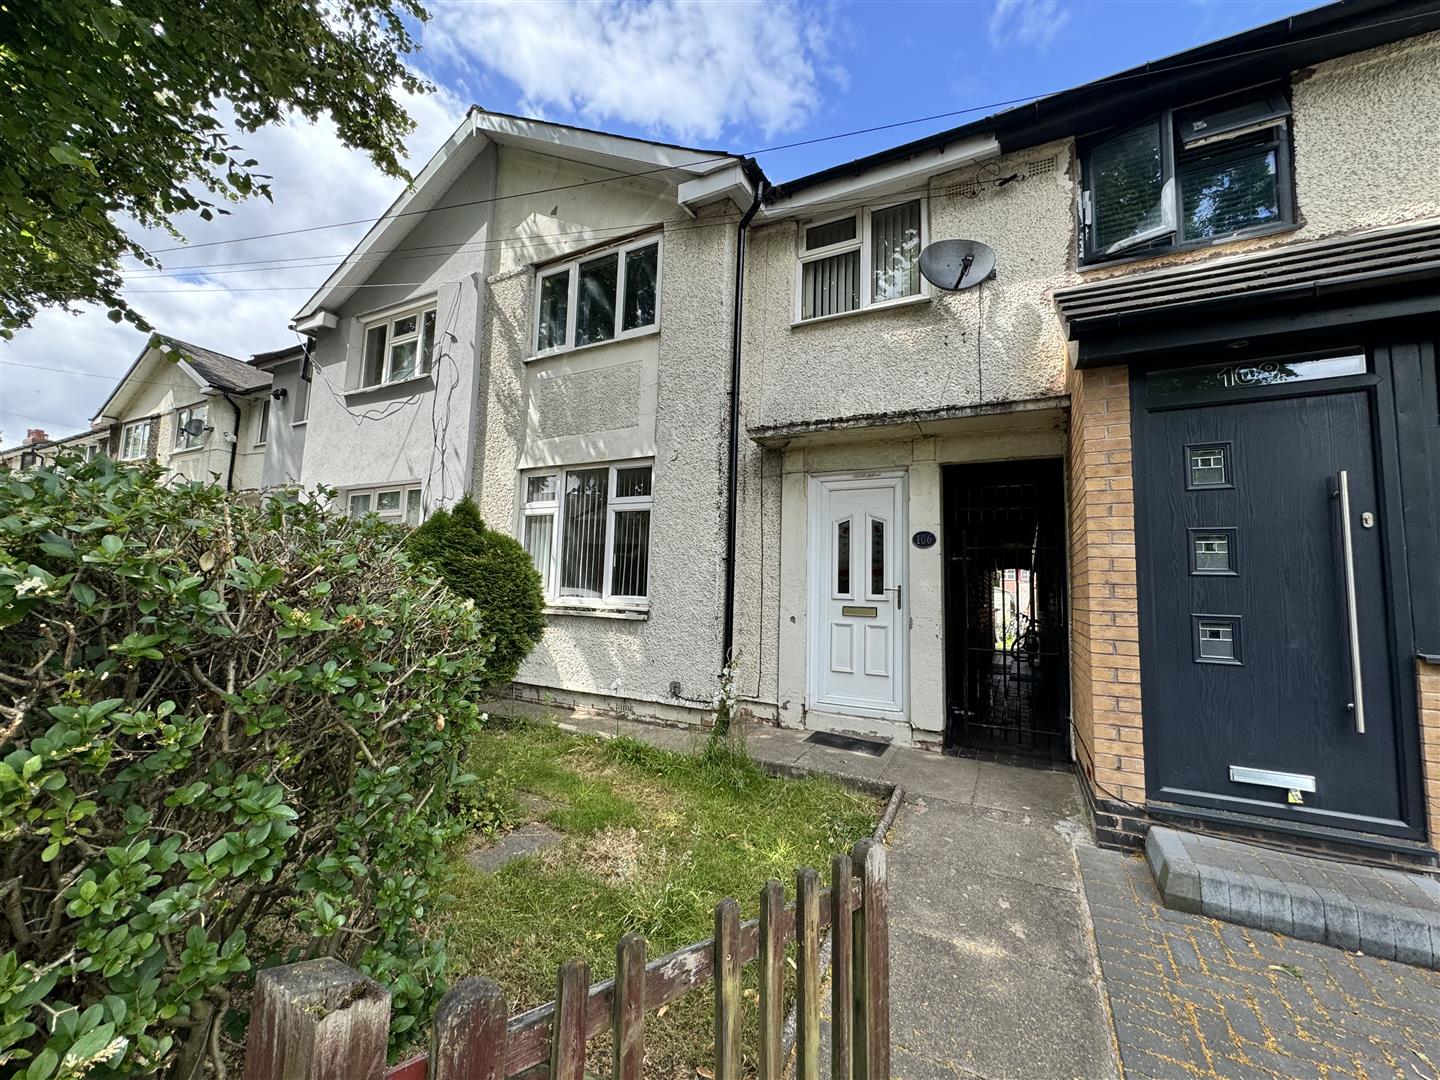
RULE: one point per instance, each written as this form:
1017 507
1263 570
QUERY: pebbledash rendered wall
662 396
417 431
997 351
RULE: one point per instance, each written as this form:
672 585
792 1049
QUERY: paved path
1194 997
1020 950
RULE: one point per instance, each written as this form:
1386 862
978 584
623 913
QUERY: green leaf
43 1066
66 154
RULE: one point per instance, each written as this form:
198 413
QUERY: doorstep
1381 912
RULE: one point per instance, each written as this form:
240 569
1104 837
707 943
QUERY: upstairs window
588 531
183 418
135 440
1189 176
399 347
860 259
262 423
598 298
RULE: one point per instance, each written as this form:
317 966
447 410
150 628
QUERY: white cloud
57 373
691 69
1027 22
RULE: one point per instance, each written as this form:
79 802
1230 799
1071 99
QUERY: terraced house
1153 493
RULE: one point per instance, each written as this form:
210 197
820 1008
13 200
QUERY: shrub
230 735
493 570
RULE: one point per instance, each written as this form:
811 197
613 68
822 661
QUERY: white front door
857 622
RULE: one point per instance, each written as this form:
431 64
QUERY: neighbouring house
201 414
544 321
39 447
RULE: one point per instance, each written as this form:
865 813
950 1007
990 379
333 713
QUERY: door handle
898 590
1357 688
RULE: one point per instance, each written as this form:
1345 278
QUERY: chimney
36 435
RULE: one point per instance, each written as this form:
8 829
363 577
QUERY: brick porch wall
1428 682
1104 634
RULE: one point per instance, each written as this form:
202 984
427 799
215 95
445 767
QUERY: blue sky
735 74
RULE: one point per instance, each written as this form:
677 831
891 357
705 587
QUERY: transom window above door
866 258
1189 176
604 296
587 529
399 346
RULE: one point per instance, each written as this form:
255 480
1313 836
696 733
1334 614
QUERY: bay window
861 259
399 346
393 504
601 297
1189 176
587 528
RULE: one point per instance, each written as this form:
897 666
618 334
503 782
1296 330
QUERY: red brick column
1428 681
1104 634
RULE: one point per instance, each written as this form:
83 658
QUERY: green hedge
491 569
231 738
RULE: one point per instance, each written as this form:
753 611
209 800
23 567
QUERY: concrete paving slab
1027 791
992 1016
932 776
828 759
1031 851
528 839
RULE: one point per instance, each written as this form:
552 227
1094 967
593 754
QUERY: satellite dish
194 427
957 264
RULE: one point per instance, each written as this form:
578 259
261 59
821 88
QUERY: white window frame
183 442
136 425
572 296
263 420
555 508
862 243
301 399
400 517
388 319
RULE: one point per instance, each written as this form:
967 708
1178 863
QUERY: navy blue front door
1252 700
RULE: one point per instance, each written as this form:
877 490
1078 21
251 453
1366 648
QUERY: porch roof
944 420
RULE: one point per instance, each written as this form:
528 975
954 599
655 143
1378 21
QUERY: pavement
1018 949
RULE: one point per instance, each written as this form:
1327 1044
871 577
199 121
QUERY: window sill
628 614
414 381
1123 259
888 305
299 423
629 335
180 451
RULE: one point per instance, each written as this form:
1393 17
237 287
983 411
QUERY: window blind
895 252
830 286
1127 186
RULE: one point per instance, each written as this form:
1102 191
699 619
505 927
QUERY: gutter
732 480
234 443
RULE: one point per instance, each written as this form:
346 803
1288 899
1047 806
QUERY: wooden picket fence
320 1020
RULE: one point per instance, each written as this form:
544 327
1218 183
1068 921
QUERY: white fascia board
728 183
674 163
382 238
883 180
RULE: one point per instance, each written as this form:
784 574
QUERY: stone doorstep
1200 875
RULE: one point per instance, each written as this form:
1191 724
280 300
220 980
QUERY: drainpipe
732 488
234 443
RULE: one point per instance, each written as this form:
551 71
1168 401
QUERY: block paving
1196 997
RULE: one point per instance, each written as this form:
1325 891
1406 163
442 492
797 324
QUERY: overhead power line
1109 80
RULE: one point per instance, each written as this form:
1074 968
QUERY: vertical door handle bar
1357 689
898 590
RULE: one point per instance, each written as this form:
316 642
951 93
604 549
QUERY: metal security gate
1005 609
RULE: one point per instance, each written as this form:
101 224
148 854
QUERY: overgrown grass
653 840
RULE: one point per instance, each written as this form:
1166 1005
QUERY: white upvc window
183 439
602 296
587 528
135 439
262 430
301 399
861 259
395 504
399 345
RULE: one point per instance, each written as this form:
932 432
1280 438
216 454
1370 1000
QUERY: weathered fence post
629 1009
842 1046
317 1020
872 965
567 1031
772 980
807 974
727 990
468 1040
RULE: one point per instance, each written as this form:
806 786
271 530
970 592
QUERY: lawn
651 841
